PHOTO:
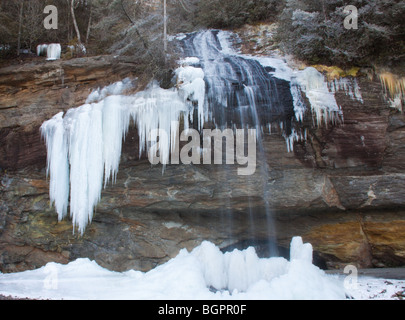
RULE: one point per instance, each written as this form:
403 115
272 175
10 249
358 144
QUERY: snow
189 61
116 88
369 288
205 273
202 274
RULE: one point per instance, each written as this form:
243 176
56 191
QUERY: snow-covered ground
369 288
202 274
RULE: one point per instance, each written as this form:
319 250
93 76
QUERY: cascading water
225 89
242 93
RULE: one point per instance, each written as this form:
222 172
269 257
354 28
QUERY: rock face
342 189
33 92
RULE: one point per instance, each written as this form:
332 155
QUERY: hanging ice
322 101
192 84
58 164
84 146
347 85
42 49
53 51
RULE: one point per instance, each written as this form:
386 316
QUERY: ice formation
84 145
53 51
322 101
203 273
347 85
42 49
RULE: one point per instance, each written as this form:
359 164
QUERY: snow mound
204 273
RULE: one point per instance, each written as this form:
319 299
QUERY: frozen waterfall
84 145
52 51
214 82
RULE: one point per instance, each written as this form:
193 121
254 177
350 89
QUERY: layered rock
31 93
342 189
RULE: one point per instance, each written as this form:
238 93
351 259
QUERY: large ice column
54 51
85 145
56 139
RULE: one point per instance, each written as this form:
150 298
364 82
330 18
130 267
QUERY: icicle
42 49
322 101
53 131
84 146
54 51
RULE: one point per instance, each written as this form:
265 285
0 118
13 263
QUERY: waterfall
221 86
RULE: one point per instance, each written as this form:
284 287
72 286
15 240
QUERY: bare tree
20 22
72 10
90 21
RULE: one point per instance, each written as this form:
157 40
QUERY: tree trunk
72 9
165 27
89 24
20 28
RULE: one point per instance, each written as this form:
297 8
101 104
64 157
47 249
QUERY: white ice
53 51
84 146
42 49
203 273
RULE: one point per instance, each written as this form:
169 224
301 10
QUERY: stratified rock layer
342 189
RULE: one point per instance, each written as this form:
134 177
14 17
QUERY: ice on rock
322 101
53 51
84 146
203 273
116 88
57 163
349 86
42 50
190 61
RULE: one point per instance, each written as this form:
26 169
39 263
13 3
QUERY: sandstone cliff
342 190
